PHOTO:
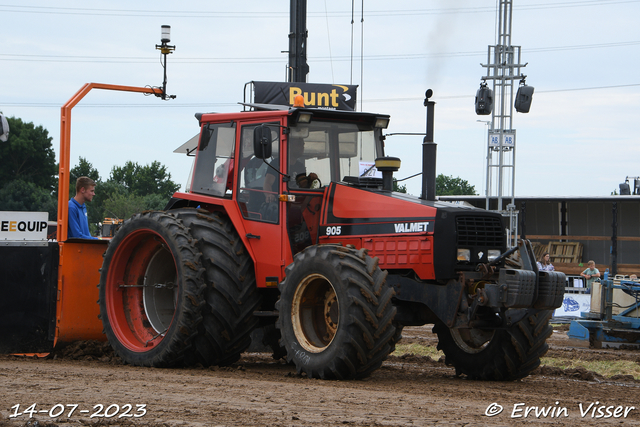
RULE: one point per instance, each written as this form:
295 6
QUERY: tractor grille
483 231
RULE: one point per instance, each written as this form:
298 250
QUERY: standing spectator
591 274
78 220
545 262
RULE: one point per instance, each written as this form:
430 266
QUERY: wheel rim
160 295
141 290
471 340
315 313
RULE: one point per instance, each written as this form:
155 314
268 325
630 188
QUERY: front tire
151 286
501 354
335 313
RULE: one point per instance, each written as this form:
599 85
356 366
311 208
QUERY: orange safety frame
77 309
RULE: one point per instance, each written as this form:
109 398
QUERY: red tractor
283 226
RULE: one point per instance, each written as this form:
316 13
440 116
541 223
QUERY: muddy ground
258 391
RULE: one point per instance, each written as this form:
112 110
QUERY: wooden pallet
565 252
560 253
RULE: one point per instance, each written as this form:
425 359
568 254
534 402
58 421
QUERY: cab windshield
332 151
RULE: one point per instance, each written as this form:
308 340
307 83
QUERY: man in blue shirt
78 221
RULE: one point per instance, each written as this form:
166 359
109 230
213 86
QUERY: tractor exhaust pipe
429 149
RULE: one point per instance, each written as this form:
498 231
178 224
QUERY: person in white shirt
545 263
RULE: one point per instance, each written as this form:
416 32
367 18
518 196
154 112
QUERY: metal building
608 227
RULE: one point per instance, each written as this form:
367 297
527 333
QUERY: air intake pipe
429 149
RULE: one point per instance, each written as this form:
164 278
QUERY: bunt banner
328 96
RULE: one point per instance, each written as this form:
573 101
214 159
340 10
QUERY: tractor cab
266 168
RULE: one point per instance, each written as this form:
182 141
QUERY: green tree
399 188
155 202
28 156
450 186
145 180
123 205
20 195
27 169
83 168
118 202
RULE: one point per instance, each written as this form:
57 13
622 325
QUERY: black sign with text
328 96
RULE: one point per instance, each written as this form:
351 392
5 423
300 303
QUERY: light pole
165 49
485 172
503 66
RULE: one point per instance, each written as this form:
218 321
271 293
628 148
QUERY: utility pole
503 67
298 67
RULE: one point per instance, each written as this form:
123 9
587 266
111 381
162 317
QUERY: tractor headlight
464 255
493 254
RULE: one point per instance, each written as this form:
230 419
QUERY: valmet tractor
282 227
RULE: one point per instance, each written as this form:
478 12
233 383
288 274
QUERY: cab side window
252 174
213 172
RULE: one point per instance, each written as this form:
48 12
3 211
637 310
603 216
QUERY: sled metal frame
65 145
79 259
620 331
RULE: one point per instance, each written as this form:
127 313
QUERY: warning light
298 101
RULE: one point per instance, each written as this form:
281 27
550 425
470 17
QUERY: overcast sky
580 138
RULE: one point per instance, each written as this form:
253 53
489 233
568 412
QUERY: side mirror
262 142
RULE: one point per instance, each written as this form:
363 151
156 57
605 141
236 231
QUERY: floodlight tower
503 67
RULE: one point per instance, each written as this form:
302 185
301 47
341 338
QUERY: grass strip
606 368
418 350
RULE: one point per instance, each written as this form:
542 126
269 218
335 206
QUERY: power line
537 92
580 47
206 60
137 12
231 104
587 88
284 14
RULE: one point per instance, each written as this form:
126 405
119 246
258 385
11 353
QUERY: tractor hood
397 226
369 212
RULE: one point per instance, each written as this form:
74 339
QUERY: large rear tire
231 295
500 355
335 313
151 286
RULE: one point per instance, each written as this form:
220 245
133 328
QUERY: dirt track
406 391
